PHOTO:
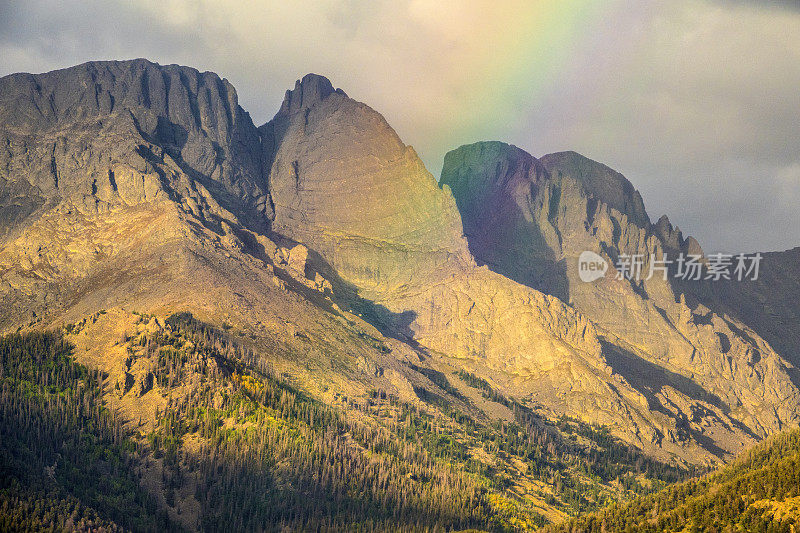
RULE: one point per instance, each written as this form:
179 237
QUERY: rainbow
533 53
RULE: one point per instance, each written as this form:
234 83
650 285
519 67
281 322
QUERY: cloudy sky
697 102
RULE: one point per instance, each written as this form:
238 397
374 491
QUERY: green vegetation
759 492
238 447
374 463
271 456
64 459
584 465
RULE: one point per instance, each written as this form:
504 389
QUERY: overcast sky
697 102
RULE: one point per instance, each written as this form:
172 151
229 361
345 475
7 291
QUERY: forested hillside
760 491
65 460
239 447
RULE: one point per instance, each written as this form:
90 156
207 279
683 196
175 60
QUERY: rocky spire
307 92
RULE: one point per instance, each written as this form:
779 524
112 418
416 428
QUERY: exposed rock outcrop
531 220
115 133
130 184
345 185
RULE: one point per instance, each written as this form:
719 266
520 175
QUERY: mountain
186 427
768 304
230 282
84 133
757 492
333 165
391 243
695 361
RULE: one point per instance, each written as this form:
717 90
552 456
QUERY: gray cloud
775 4
705 120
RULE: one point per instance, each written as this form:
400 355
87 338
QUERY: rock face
146 187
109 134
599 181
494 184
115 178
769 305
530 220
343 183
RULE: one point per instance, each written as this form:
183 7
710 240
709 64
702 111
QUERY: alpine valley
210 325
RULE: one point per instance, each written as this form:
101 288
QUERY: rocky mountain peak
163 180
669 235
307 92
345 184
532 226
112 133
512 164
99 88
493 184
606 185
673 239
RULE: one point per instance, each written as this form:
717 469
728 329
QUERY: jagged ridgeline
238 447
356 345
134 185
